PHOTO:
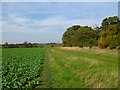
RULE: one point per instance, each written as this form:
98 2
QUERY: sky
45 22
59 0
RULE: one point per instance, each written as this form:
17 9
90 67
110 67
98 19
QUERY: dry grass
71 48
95 50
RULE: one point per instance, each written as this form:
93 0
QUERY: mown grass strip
79 69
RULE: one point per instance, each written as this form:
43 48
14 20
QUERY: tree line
29 45
22 45
107 35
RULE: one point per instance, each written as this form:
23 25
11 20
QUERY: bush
80 46
102 46
113 44
52 45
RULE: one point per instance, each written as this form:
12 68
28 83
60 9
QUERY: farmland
59 67
21 67
64 44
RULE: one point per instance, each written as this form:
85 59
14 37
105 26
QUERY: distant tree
68 35
118 33
80 36
109 37
29 45
110 20
75 27
88 36
6 44
25 44
110 33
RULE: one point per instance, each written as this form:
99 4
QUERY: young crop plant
21 67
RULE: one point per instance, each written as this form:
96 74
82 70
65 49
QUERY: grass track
73 69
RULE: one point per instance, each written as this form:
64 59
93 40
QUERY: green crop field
59 68
21 66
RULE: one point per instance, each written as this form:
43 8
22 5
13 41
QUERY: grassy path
72 69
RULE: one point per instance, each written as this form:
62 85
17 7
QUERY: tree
6 44
108 21
110 33
25 44
29 45
109 37
68 35
80 36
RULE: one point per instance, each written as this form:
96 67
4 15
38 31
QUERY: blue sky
44 22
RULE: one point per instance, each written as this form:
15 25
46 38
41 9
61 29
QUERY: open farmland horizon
58 67
60 45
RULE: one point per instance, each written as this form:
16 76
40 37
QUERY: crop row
21 66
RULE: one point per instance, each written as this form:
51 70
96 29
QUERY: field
21 66
85 68
58 67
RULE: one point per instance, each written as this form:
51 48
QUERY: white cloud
61 21
52 21
14 19
14 23
7 27
17 19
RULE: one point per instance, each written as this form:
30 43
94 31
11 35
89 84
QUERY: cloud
61 21
15 23
17 19
7 27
